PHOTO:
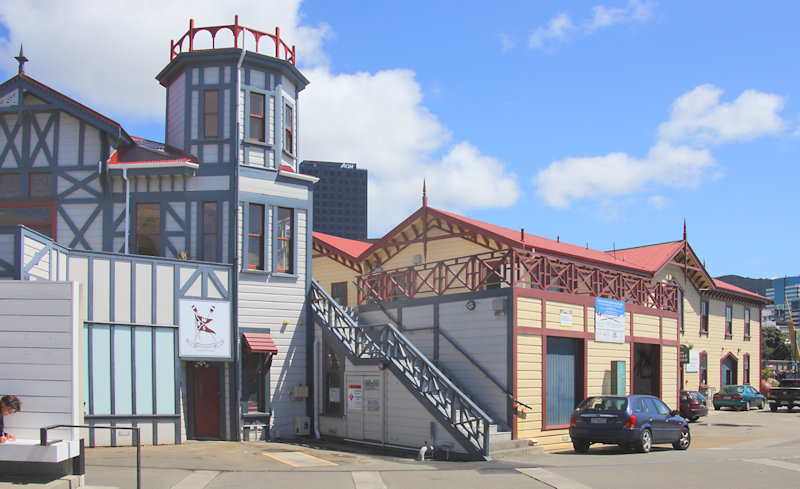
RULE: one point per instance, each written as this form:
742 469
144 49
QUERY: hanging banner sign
204 329
609 320
694 361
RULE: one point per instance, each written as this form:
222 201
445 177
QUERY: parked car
636 421
786 394
738 397
693 405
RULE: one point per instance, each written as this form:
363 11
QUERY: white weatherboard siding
40 356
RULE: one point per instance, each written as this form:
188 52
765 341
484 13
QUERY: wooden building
524 327
191 254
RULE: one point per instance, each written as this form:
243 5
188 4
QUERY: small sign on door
354 395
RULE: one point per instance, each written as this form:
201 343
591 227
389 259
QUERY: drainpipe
423 450
317 387
127 207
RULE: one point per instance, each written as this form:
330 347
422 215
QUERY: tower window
288 131
255 237
285 255
211 114
257 117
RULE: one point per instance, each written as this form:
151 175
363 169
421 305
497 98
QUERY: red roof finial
424 194
684 229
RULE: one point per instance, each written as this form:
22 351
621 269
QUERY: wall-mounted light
470 305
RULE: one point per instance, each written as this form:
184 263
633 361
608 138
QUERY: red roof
738 290
650 257
260 343
545 245
144 152
348 246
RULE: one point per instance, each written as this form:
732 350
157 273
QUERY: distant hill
756 285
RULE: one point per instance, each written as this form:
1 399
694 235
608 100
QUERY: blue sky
606 122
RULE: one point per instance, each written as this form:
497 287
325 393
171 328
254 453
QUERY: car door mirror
674 412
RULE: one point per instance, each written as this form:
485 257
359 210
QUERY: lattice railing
385 342
516 268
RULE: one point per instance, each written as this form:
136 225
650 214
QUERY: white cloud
378 121
106 55
698 116
557 28
657 202
560 27
603 178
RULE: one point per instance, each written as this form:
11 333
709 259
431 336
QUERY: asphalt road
729 449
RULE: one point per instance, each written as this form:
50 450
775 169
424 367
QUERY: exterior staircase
463 419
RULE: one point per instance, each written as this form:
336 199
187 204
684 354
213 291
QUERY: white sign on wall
609 320
204 329
354 396
694 361
566 317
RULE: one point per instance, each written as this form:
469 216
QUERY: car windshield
602 403
732 389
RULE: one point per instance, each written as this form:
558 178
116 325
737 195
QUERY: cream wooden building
524 327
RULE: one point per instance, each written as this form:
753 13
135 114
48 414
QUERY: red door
206 401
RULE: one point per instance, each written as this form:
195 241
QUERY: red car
693 405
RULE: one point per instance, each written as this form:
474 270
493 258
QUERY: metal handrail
386 342
136 431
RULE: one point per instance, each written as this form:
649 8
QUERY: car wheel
580 446
684 441
693 419
747 406
761 404
645 442
790 407
773 407
716 408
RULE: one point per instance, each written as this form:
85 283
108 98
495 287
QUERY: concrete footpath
215 464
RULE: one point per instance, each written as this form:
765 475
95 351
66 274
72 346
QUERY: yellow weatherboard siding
646 326
600 355
553 315
529 312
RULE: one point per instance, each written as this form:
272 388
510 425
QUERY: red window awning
259 343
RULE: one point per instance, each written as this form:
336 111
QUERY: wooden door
207 401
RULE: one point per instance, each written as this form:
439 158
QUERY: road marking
776 463
368 480
552 479
197 479
298 459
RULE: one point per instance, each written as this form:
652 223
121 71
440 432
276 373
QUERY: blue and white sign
609 320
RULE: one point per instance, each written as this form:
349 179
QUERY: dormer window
257 117
211 114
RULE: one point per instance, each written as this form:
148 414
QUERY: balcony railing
177 47
516 268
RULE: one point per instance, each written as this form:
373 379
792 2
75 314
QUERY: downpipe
423 450
317 367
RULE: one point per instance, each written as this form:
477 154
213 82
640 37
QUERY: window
747 323
39 186
210 231
148 229
704 317
728 321
339 293
746 368
211 114
255 237
334 371
288 131
10 186
255 375
38 217
257 117
703 368
285 245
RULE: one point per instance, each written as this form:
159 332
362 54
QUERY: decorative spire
684 229
424 194
22 60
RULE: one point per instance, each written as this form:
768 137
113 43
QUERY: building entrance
364 407
206 400
647 369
